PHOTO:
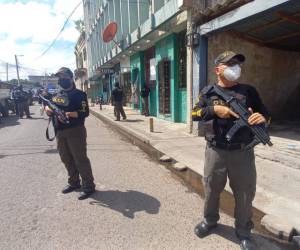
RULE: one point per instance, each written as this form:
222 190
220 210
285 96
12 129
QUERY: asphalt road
138 203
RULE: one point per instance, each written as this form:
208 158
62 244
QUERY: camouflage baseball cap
64 72
227 56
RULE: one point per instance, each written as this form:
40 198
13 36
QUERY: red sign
110 32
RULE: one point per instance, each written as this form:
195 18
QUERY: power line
20 66
28 68
62 29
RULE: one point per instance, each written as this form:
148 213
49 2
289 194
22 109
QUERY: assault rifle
58 114
259 131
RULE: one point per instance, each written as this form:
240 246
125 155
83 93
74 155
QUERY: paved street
138 203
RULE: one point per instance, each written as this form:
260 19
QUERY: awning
276 23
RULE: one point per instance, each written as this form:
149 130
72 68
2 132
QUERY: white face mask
232 73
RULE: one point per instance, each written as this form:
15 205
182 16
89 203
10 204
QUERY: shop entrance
126 85
135 96
150 79
164 68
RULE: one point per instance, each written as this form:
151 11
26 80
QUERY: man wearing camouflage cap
228 159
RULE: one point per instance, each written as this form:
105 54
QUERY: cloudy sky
28 27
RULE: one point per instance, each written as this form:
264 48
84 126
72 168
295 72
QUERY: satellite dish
110 32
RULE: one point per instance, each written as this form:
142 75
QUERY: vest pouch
206 129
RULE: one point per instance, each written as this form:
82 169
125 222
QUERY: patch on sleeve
197 112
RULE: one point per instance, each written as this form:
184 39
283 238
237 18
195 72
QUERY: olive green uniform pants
23 107
71 144
239 166
145 106
119 110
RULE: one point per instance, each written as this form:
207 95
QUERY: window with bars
164 70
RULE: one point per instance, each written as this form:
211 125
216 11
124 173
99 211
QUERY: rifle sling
47 131
221 93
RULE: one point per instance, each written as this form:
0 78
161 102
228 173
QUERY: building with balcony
148 49
81 76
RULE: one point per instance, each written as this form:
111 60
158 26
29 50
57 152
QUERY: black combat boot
85 194
203 229
68 189
247 244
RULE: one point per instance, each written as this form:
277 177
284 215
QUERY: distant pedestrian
229 159
21 99
117 101
99 101
145 100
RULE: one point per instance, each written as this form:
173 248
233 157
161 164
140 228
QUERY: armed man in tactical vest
71 133
21 99
229 152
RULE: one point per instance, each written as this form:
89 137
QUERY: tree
79 25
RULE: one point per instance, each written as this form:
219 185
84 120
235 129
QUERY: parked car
4 101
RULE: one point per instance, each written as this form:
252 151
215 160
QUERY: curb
262 221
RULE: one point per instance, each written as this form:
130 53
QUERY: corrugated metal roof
280 27
216 8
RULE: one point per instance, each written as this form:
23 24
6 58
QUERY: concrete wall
275 73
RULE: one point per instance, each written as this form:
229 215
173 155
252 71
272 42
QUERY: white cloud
29 28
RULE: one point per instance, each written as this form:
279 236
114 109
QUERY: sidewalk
278 167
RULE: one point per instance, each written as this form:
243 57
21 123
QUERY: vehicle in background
4 100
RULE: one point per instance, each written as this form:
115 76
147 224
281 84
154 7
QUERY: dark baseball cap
64 72
227 56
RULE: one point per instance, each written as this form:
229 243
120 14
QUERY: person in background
117 102
145 100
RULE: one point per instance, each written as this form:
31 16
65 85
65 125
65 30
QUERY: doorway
164 68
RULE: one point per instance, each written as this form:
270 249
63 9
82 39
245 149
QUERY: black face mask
65 83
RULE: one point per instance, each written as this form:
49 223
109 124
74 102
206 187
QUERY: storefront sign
105 71
152 69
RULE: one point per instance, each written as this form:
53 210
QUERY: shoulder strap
207 89
220 92
47 131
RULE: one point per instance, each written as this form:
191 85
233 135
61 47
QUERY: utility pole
7 72
17 68
189 74
45 79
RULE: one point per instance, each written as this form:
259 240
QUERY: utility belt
226 146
